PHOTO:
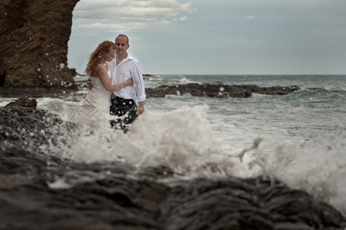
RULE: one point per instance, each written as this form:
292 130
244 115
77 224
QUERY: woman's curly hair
96 56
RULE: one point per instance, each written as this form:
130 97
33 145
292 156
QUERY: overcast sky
217 36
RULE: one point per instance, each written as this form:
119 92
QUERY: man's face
121 45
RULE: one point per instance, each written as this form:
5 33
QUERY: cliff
33 38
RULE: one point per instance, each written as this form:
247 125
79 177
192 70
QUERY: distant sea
299 138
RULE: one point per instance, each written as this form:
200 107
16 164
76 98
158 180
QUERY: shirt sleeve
138 83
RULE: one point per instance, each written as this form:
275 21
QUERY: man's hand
140 108
90 85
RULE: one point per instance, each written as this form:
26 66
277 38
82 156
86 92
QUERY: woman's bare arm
101 72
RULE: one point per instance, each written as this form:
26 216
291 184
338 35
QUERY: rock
218 90
33 38
117 195
36 92
23 102
275 90
73 72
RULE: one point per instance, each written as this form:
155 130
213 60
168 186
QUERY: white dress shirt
126 69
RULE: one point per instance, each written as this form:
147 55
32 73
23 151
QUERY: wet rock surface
218 90
36 92
43 191
23 102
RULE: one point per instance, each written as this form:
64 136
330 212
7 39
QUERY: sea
299 138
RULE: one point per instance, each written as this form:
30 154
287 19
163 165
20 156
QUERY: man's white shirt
126 69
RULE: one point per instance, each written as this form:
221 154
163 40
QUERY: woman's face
110 55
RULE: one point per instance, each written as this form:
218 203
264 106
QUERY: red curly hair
97 56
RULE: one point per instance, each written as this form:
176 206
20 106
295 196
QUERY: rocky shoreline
194 89
218 90
40 190
36 92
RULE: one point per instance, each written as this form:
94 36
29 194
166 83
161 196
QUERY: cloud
250 17
127 15
183 18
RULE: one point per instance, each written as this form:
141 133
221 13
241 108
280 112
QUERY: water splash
181 139
317 166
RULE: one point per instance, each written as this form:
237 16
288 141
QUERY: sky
217 36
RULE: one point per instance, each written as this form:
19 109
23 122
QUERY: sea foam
181 139
317 166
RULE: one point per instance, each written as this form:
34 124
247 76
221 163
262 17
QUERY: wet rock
218 90
33 37
23 102
275 90
41 190
36 92
33 130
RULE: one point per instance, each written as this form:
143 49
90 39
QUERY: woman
96 103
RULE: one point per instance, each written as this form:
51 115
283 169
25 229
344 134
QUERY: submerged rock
218 90
40 190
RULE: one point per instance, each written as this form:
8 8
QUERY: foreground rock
115 195
33 37
23 102
218 90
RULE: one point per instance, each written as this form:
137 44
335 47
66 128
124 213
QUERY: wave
60 107
319 89
4 101
183 140
317 166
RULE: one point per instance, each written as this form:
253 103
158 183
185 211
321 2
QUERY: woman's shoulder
100 68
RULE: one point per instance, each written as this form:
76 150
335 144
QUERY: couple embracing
116 95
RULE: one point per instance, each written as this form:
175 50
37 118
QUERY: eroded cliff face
33 43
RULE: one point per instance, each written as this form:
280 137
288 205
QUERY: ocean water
298 138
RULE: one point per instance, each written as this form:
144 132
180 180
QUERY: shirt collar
129 57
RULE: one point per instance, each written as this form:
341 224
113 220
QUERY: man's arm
138 85
140 108
90 85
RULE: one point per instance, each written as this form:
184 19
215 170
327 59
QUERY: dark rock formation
274 90
73 72
218 90
23 102
118 196
36 92
33 38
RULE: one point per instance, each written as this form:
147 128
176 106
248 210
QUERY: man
124 101
122 68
